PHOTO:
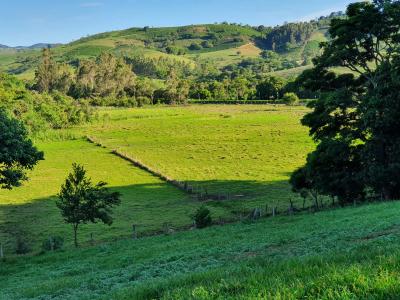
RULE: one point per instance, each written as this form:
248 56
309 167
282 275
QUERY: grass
221 58
235 150
30 211
349 253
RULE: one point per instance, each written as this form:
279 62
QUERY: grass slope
246 151
347 253
30 212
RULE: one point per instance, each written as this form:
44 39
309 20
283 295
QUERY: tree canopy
356 120
17 153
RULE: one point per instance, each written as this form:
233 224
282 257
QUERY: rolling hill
220 45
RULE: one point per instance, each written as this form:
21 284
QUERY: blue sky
25 22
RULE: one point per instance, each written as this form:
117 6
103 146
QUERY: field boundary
199 192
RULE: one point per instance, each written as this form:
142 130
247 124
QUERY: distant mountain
35 46
41 46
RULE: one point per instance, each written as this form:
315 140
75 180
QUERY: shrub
22 246
202 217
290 99
195 46
141 101
207 44
53 243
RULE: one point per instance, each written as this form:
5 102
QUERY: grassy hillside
219 44
348 253
233 151
30 212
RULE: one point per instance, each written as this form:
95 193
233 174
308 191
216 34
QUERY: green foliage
17 153
195 47
290 99
51 76
40 112
22 246
109 76
53 243
353 119
81 202
202 217
270 88
283 38
177 90
158 67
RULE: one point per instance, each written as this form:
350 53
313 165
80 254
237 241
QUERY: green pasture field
29 212
349 253
246 152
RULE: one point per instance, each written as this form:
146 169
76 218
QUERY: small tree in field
291 99
202 217
82 202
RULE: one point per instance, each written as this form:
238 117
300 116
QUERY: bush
290 99
53 243
195 46
202 217
141 101
207 44
22 247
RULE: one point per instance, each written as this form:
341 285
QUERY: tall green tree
177 89
356 119
46 73
17 153
270 88
81 202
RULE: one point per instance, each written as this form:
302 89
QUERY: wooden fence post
134 232
51 243
1 251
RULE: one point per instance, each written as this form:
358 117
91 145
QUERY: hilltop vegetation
221 45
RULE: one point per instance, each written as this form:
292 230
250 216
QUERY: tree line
110 80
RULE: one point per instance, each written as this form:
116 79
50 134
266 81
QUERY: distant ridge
35 46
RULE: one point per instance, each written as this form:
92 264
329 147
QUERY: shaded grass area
349 253
30 212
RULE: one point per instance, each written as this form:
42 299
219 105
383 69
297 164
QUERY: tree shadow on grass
149 206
